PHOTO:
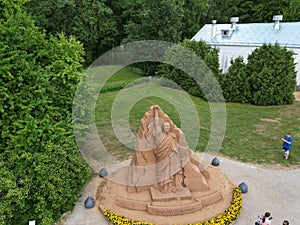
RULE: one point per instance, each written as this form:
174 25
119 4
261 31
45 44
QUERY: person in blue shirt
287 145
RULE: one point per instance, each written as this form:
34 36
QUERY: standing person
285 222
262 218
266 221
287 145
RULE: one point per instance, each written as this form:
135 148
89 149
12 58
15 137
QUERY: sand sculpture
165 178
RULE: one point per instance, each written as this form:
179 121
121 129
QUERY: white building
236 39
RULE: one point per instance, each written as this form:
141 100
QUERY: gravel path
276 191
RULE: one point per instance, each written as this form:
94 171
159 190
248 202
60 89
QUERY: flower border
226 218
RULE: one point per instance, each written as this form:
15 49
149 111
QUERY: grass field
253 133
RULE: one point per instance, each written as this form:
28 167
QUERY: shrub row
268 77
41 169
119 86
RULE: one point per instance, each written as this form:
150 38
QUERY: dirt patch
297 95
276 120
260 128
267 126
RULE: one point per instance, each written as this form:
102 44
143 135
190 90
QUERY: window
225 32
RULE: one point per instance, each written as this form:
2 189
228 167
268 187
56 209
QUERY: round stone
243 186
215 162
89 202
103 172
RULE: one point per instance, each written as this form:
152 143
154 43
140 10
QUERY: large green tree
41 167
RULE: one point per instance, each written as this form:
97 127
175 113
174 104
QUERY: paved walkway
276 191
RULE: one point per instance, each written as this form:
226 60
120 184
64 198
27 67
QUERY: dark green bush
113 87
268 77
235 83
119 86
271 75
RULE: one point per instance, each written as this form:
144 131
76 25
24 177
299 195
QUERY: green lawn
253 133
125 75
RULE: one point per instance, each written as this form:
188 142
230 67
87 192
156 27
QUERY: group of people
266 220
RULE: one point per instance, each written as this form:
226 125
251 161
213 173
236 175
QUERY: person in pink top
266 221
266 216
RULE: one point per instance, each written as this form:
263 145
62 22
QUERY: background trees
268 77
101 25
195 16
222 10
206 53
153 20
291 11
91 22
248 11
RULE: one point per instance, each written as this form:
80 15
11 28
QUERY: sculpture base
152 207
158 196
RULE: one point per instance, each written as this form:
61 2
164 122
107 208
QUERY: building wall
297 61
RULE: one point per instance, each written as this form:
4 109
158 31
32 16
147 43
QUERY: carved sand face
166 127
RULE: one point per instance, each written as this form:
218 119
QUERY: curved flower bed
226 218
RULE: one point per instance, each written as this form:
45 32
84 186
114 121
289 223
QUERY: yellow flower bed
226 218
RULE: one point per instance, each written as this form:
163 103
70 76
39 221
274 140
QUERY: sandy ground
276 191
